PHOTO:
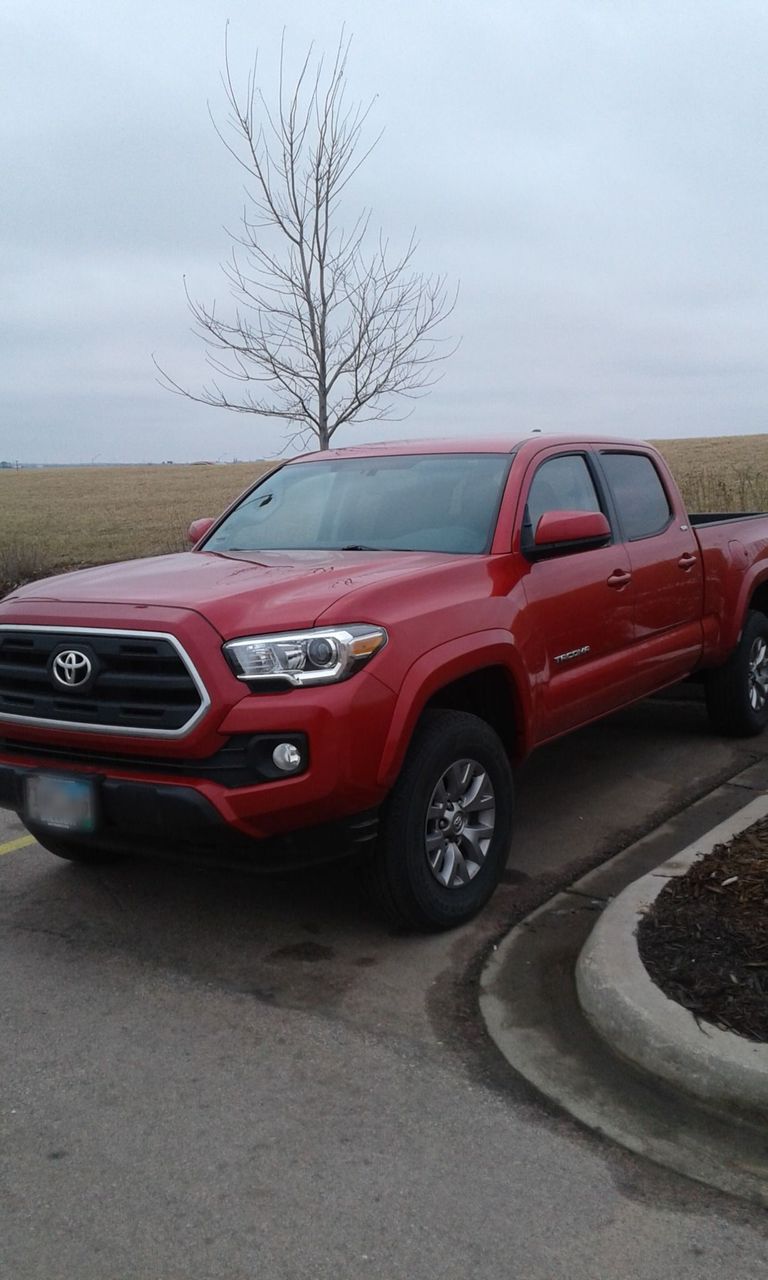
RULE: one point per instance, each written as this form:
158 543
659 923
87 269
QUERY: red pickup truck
359 651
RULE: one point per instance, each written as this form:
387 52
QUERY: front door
578 647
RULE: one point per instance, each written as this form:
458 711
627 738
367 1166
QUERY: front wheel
737 692
447 825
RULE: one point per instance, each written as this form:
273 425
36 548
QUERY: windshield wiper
359 546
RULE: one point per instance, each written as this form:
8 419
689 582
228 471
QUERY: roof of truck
466 444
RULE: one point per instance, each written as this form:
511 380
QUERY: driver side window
561 484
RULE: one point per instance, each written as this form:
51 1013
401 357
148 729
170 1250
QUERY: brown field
61 517
720 473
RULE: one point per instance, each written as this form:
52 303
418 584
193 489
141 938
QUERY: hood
259 591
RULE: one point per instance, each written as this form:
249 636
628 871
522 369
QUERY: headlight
321 656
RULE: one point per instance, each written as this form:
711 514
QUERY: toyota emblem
72 668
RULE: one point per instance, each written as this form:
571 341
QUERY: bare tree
328 327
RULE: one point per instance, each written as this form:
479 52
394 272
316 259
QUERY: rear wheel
447 825
737 692
72 850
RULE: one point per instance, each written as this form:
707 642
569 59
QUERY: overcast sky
593 171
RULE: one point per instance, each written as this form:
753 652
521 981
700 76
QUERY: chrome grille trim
117 730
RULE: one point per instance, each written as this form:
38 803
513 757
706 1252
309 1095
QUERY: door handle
619 578
687 560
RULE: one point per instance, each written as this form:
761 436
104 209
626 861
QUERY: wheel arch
759 598
482 674
732 610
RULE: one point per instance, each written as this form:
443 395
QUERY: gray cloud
593 171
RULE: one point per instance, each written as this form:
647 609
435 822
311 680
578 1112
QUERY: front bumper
345 727
165 820
227 807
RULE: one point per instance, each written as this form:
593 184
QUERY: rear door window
641 499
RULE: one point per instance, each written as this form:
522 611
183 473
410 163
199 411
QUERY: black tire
72 850
737 692
405 884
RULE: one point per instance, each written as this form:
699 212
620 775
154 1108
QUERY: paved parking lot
211 1075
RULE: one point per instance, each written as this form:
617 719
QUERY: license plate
66 804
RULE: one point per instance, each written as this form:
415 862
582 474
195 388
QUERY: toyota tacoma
357 654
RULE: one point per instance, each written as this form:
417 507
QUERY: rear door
665 560
580 630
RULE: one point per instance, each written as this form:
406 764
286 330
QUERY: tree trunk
323 434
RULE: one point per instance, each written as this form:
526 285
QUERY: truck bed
698 518
734 548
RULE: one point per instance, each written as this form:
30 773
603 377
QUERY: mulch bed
705 939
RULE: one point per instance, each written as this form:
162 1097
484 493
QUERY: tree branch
332 328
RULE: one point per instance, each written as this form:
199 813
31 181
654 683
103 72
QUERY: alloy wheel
758 674
461 819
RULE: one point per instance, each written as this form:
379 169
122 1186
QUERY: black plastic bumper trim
163 820
245 759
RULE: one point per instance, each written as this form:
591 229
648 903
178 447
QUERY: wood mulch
705 939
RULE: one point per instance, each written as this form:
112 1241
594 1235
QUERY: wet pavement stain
305 951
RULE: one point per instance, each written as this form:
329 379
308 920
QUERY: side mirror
563 531
198 529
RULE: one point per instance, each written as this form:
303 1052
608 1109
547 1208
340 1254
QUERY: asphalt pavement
208 1075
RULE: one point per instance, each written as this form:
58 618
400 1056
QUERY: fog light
286 757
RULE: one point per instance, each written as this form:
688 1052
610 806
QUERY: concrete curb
644 1026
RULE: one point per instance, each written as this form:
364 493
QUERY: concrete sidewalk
640 1023
625 1082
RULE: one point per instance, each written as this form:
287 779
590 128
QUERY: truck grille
118 682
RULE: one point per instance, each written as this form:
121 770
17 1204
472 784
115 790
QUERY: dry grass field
63 516
720 473
60 517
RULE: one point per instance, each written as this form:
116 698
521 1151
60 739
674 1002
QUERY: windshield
413 502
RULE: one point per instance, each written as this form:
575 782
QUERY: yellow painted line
13 845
